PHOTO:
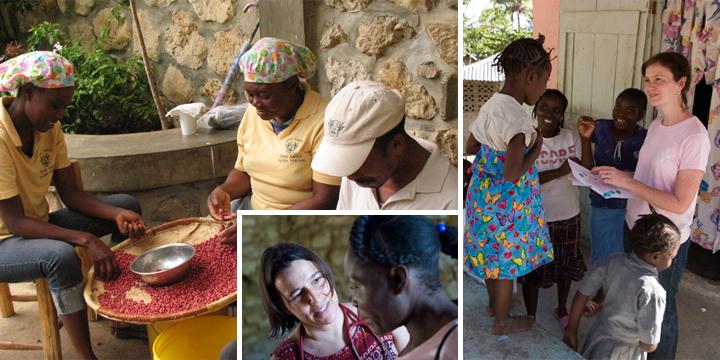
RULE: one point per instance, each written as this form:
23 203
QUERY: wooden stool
49 328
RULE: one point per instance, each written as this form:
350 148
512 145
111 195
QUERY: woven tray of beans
210 284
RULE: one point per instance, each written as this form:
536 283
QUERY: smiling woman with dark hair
299 297
393 268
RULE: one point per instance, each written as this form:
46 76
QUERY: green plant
111 96
492 32
44 35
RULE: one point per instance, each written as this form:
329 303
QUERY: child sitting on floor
628 326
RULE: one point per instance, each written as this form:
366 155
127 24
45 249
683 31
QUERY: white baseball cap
358 114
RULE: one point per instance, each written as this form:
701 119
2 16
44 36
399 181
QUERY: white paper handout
583 177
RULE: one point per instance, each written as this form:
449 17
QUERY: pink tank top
364 342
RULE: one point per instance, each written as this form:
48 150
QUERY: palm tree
515 8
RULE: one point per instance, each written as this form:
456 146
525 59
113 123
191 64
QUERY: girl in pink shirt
670 167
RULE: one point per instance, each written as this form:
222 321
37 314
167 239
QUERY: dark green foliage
491 33
111 96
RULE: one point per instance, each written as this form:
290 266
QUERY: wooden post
283 19
6 305
148 71
9 345
48 321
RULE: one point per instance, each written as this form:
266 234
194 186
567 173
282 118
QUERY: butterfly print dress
505 233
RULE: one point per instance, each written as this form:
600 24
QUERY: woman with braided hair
505 232
393 269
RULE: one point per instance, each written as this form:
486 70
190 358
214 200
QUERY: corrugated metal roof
483 70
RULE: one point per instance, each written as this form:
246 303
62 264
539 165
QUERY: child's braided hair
521 54
653 233
404 240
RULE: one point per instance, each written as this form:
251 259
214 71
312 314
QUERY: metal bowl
164 264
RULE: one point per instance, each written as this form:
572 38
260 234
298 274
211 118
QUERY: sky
475 7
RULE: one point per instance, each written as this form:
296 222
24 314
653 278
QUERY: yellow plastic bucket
198 338
155 329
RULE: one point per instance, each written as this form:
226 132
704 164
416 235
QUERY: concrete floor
478 343
698 302
24 327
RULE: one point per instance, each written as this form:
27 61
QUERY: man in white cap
383 168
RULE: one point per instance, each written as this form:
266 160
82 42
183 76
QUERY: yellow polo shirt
28 177
279 164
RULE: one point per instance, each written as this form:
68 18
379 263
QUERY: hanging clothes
692 28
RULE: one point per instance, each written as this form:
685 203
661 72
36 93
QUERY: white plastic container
187 115
188 124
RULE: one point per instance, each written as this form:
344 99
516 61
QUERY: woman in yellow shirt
33 242
278 136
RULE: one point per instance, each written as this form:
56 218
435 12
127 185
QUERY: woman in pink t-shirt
670 167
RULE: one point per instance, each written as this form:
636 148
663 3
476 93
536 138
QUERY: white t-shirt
560 197
501 118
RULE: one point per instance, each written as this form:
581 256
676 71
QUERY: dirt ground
24 327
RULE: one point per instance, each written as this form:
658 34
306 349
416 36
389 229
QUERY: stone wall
411 45
191 43
328 237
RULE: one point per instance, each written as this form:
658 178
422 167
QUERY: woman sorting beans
278 135
393 268
33 242
299 297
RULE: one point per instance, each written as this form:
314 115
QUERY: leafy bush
491 33
111 96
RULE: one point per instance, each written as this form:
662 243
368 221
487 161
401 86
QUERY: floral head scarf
44 69
273 60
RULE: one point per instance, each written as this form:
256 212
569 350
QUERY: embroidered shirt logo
335 127
45 158
291 146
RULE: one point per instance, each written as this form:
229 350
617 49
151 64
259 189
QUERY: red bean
212 275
